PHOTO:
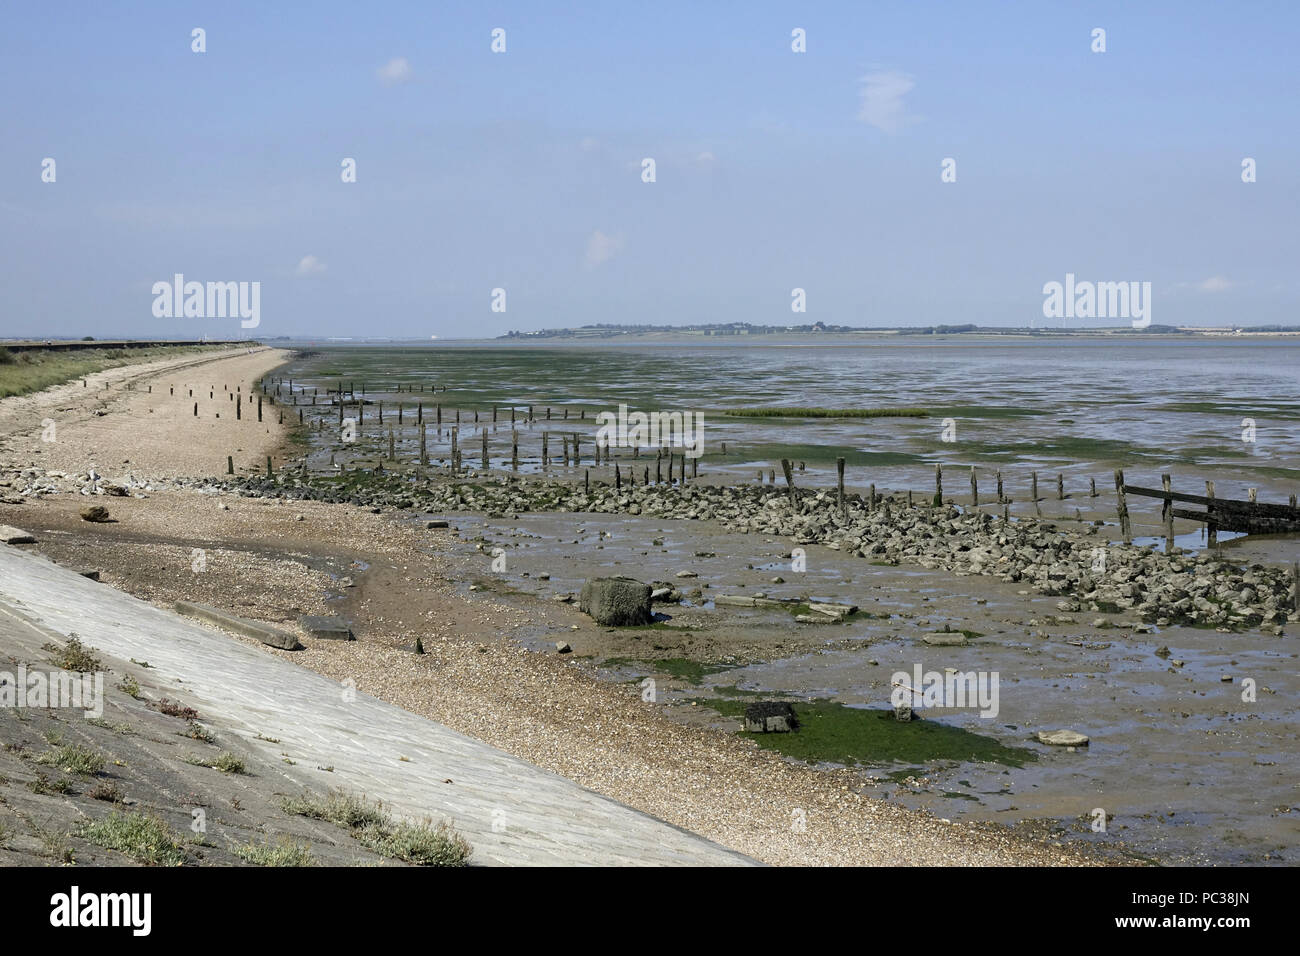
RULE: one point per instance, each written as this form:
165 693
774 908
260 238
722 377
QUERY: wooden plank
1260 508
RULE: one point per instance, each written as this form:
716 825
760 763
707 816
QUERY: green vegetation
144 838
130 687
678 667
831 732
74 656
419 843
44 785
284 853
792 412
74 759
31 371
225 761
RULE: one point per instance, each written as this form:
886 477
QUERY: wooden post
424 455
586 482
618 479
695 471
789 478
577 455
1211 526
1295 586
399 413
268 466
1001 497
455 442
259 408
1167 512
391 455
1122 506
239 411
484 435
565 439
196 409
974 489
514 446
1252 494
546 449
938 485
1060 487
419 413
439 410
659 475
839 484
230 464
871 498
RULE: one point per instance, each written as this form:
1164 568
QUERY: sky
522 170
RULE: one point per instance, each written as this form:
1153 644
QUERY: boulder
325 627
96 513
771 717
616 601
1062 738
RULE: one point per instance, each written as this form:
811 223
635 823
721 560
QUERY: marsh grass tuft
285 852
74 656
421 844
144 838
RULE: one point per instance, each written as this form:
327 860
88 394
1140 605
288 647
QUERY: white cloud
602 248
705 158
882 100
310 266
396 70
1215 284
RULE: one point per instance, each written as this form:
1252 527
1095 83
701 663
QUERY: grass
74 656
130 687
196 731
225 761
74 759
24 372
284 853
422 844
44 785
797 412
144 838
831 732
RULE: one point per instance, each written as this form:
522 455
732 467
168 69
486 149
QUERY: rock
687 574
616 601
437 524
16 536
944 639
1062 738
902 713
326 628
771 717
96 513
813 619
563 648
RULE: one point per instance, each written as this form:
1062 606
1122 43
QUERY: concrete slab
240 625
326 628
11 535
512 812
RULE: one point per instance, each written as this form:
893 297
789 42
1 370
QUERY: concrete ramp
512 812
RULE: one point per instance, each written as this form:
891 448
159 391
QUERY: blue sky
522 170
